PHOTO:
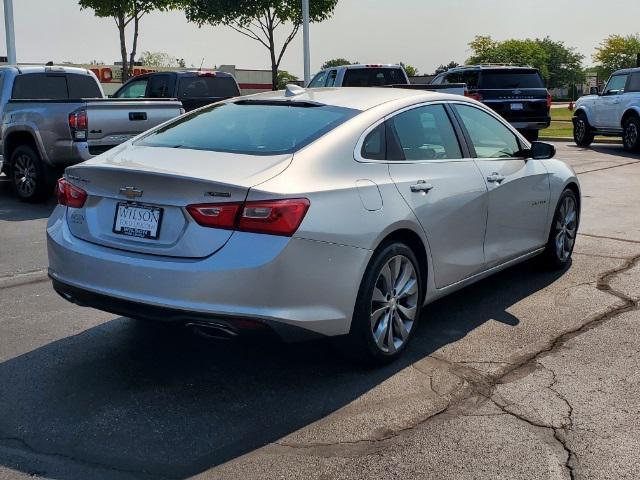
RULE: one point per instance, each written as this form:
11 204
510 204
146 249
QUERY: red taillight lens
70 195
274 217
82 122
217 215
475 95
277 217
79 124
549 99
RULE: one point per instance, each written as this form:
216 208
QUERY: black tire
553 257
531 135
360 343
631 134
582 132
31 179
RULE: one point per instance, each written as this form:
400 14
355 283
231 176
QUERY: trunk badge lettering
131 192
218 194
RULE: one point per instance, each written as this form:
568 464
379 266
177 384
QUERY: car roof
357 98
490 67
42 69
626 70
354 66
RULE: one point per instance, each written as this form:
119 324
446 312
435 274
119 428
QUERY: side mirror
542 151
594 91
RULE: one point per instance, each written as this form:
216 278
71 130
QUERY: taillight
475 95
70 195
274 217
549 99
79 124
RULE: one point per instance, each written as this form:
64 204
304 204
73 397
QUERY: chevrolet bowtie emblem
131 192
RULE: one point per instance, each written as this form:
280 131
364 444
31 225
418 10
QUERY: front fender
588 111
631 109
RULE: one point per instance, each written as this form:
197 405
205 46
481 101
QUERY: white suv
613 113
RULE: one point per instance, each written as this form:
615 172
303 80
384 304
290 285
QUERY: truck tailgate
114 121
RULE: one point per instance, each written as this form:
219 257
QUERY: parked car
193 89
273 217
54 117
376 75
613 113
518 94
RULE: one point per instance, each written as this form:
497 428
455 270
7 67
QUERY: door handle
421 186
495 177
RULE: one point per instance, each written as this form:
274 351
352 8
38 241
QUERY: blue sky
423 33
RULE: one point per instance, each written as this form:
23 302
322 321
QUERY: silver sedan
326 212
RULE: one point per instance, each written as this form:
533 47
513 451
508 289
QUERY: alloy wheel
631 134
566 228
24 175
394 304
581 129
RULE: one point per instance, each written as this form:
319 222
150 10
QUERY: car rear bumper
282 282
530 124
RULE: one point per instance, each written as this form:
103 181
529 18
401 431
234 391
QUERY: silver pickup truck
53 117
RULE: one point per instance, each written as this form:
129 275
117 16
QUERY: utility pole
305 41
11 36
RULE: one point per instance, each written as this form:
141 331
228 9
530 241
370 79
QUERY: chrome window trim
357 153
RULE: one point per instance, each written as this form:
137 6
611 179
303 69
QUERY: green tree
616 52
410 69
336 62
285 77
443 68
564 64
259 20
158 59
124 12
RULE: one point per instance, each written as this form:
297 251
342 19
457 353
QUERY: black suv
516 93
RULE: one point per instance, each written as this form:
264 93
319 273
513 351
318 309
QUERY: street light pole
11 36
305 41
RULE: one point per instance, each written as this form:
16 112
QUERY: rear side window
373 77
83 86
159 86
505 79
250 127
40 86
634 83
204 87
374 146
426 133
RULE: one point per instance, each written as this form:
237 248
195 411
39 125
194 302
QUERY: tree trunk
123 46
274 64
134 45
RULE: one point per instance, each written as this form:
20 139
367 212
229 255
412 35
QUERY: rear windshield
203 87
373 77
511 79
40 86
253 128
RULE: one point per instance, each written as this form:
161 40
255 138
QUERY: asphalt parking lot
528 374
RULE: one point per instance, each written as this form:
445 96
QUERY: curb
26 278
611 141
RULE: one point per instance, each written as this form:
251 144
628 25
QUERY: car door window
159 86
331 78
616 85
134 89
489 137
425 133
319 80
634 83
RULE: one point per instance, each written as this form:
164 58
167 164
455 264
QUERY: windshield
511 79
250 127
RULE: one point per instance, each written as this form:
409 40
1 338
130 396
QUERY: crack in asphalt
479 383
608 168
602 237
26 447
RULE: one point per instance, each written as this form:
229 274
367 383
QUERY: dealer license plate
141 221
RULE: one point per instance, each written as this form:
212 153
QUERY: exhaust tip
212 330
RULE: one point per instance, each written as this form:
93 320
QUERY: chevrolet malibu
318 212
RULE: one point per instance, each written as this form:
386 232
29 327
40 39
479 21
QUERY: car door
441 183
607 115
160 86
517 188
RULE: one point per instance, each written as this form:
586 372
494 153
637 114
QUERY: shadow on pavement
139 398
13 210
608 149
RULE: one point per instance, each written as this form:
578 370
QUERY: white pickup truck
613 113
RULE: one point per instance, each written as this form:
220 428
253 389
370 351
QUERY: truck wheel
531 135
631 134
32 180
582 133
